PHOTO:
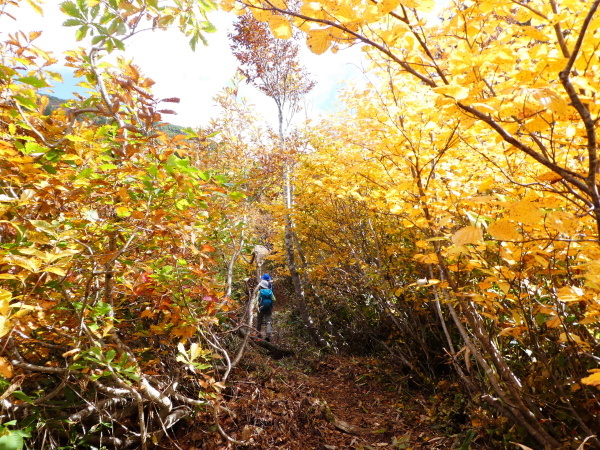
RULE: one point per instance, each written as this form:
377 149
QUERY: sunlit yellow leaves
526 212
549 177
593 379
504 230
430 258
261 15
39 261
535 33
280 27
422 244
586 83
235 7
123 211
570 294
420 5
573 338
31 264
467 235
344 13
551 100
486 184
553 322
528 101
318 41
5 298
387 6
456 92
562 222
281 4
313 9
37 237
592 272
514 331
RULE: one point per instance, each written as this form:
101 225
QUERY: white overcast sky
194 77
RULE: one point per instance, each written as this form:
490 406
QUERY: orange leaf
207 248
6 369
593 379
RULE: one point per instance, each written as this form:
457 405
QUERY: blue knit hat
266 276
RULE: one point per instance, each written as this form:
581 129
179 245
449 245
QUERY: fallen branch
269 345
222 432
340 424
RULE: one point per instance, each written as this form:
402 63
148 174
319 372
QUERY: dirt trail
367 398
335 402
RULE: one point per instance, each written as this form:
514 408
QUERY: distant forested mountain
55 102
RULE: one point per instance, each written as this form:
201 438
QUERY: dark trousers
264 314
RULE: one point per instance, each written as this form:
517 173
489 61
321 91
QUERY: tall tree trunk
291 260
290 244
298 288
234 257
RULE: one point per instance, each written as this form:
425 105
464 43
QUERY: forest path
331 402
366 408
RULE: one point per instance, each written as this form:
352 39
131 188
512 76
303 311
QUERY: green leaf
194 42
181 204
153 170
94 11
33 81
108 167
76 366
11 441
54 154
27 103
50 169
34 147
119 44
110 355
81 33
70 9
74 138
209 27
72 23
106 18
102 309
22 396
85 173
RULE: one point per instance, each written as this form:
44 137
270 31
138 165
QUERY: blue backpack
265 300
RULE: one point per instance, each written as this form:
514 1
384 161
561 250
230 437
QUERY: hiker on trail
267 278
266 299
